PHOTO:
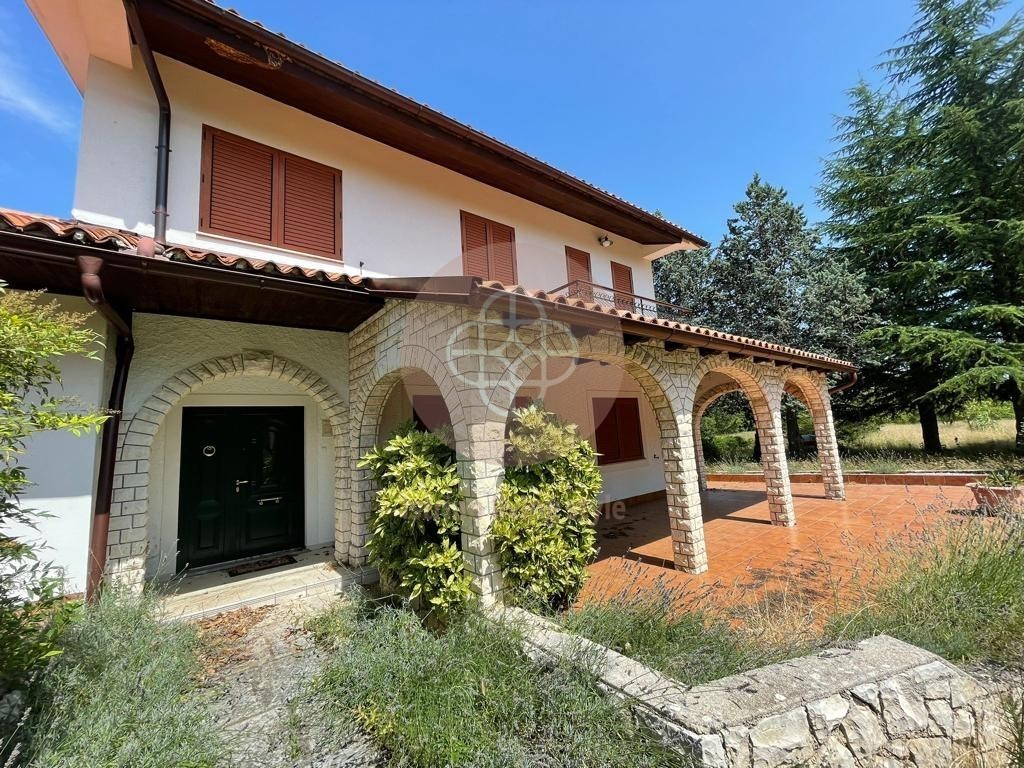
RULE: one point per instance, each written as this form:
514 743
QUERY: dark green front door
241 483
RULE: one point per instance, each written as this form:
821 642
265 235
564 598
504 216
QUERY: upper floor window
577 265
488 249
622 285
258 193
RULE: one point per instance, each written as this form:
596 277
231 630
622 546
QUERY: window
254 192
577 265
618 434
622 284
488 249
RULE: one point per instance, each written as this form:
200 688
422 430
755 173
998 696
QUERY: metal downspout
163 139
92 289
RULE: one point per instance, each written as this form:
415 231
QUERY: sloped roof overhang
517 305
155 285
213 39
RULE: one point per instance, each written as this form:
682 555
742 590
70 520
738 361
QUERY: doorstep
314 572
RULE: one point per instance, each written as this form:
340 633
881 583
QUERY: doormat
261 565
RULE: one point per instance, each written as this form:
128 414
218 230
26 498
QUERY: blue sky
671 105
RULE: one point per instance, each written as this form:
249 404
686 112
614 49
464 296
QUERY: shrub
547 505
467 696
956 589
33 336
121 693
415 524
1004 478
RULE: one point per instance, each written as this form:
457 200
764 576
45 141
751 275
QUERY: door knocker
209 450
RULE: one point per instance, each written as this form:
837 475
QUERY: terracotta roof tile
711 333
128 242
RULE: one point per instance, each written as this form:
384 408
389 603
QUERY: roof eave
494 160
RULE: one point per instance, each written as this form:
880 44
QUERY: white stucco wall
62 467
570 394
401 214
165 345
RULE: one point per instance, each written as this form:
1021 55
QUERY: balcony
624 301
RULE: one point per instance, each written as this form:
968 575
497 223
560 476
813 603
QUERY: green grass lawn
893 447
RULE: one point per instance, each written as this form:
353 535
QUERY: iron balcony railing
621 300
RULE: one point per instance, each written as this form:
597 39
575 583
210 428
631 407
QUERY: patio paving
832 543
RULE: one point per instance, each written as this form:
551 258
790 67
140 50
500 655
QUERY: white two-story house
288 259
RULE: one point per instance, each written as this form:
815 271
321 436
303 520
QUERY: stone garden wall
880 703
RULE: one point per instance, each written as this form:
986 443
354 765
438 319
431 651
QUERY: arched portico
812 390
647 368
763 387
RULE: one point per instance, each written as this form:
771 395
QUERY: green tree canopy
770 278
925 196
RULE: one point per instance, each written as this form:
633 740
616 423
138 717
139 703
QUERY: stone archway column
828 447
768 419
682 494
481 468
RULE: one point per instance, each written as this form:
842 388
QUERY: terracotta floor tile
831 540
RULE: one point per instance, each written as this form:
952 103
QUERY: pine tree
925 195
770 278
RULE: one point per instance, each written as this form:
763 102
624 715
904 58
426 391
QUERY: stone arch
763 387
128 541
645 364
812 390
367 408
703 402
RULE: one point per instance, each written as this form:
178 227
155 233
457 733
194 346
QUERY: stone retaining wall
880 703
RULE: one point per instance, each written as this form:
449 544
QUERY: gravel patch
259 662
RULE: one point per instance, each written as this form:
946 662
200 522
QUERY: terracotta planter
994 498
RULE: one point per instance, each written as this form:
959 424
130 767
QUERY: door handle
239 483
277 499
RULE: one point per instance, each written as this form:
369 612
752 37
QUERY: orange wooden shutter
474 246
311 206
606 430
631 445
503 252
617 434
237 194
488 249
577 264
622 277
622 284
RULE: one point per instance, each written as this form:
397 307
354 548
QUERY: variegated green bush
415 524
547 505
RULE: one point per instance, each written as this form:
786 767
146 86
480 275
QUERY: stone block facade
478 359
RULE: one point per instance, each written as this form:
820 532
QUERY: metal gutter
92 289
163 139
845 385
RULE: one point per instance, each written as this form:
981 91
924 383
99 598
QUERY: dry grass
898 448
957 434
